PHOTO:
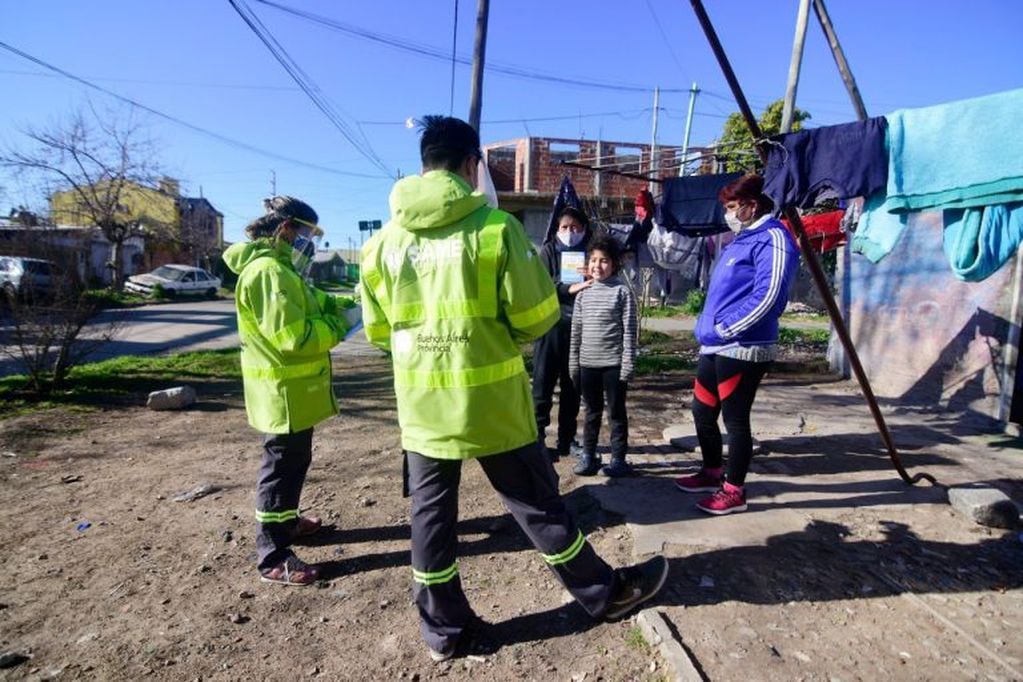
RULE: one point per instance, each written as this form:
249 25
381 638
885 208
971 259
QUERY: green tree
736 142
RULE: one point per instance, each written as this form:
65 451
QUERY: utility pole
273 182
653 140
693 92
789 107
479 52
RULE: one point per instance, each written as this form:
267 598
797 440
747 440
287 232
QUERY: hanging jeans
527 484
726 387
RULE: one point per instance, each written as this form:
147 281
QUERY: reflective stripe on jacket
287 329
452 288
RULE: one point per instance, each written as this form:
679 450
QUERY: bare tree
93 163
47 325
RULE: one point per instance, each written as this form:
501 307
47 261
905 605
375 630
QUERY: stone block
985 505
175 398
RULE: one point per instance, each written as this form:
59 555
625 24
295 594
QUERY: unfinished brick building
527 173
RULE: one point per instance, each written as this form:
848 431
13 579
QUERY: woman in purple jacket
738 335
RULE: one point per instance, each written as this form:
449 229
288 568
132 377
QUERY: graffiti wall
927 339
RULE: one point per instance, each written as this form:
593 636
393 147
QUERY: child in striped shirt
602 356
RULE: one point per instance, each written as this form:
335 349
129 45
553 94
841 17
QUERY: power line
664 36
173 119
435 53
307 84
143 81
454 47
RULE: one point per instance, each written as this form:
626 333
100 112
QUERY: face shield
303 249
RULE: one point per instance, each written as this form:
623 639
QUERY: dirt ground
107 576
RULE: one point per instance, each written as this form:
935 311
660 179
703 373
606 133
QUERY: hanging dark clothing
690 204
850 159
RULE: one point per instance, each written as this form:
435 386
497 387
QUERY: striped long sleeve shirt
604 328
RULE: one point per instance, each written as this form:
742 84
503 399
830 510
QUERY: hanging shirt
847 159
690 204
824 230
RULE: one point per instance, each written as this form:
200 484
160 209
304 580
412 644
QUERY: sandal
291 571
307 525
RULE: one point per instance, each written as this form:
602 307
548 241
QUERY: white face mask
734 224
570 238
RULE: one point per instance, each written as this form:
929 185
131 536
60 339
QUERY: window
172 274
189 277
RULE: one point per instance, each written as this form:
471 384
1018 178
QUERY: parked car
22 277
174 280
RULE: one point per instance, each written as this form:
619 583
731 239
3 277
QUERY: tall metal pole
653 140
479 52
808 253
693 92
843 65
789 107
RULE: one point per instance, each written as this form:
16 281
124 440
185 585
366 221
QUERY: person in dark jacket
550 352
738 334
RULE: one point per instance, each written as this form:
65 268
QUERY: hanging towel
879 230
978 241
847 160
690 204
956 155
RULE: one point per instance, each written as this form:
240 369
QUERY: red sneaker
728 500
700 482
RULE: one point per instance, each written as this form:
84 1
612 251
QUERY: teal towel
961 154
878 230
980 241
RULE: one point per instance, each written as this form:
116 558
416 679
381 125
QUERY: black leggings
727 387
596 383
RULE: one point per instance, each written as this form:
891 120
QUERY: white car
174 280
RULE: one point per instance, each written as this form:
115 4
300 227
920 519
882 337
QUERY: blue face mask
567 240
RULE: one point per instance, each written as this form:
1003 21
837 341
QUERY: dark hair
279 209
447 142
575 214
747 188
609 247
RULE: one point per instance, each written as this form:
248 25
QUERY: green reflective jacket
287 329
452 288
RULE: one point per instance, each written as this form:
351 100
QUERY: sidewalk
838 569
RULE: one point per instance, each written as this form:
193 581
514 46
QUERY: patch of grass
96 383
650 338
659 364
664 311
108 298
635 640
790 336
805 317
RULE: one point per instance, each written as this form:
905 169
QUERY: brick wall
533 165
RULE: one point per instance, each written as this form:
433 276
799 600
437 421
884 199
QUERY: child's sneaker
728 500
700 482
588 465
617 468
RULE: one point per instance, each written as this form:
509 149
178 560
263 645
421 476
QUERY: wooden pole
843 65
479 52
789 107
808 253
653 140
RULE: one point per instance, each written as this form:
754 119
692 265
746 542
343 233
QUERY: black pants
550 367
527 484
286 458
726 387
596 384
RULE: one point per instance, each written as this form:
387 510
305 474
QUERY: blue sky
197 61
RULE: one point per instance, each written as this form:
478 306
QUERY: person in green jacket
452 288
287 329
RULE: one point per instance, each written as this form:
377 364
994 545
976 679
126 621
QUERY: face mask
570 239
303 251
734 224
